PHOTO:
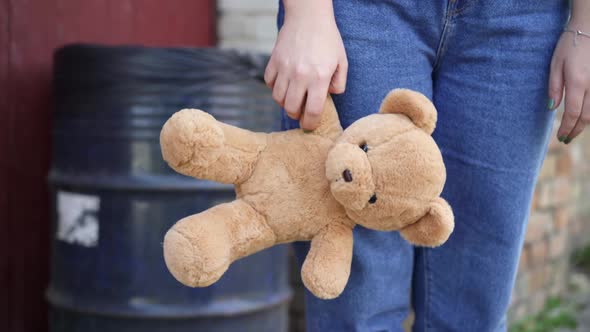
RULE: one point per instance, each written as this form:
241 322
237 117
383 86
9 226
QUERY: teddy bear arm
326 268
434 228
240 155
329 122
195 144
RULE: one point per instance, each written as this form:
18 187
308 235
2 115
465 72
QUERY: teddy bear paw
326 285
194 265
191 139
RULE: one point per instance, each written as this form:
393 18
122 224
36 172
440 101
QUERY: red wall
29 32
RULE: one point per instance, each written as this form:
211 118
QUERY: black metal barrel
114 197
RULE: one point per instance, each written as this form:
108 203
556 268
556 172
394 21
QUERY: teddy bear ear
412 104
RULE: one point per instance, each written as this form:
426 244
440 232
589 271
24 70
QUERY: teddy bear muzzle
350 176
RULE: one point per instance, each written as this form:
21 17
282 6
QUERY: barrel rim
126 182
156 311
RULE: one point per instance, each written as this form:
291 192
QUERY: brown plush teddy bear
384 172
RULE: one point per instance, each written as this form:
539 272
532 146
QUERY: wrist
309 9
579 24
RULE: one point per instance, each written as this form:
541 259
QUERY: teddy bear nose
347 175
373 199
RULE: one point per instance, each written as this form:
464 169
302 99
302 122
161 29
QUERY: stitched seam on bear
183 164
264 224
262 214
245 177
256 162
241 178
192 276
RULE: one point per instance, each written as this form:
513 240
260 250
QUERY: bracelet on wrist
576 34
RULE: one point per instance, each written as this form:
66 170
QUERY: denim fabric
485 66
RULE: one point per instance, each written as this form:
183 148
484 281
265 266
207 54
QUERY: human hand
570 68
308 61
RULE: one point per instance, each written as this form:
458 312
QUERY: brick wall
560 215
247 24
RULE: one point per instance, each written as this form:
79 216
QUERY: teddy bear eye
364 147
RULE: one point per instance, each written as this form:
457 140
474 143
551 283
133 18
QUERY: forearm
580 18
317 8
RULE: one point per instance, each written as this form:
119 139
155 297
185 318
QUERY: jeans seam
467 5
426 290
443 36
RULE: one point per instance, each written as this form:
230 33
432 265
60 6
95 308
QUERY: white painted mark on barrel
77 216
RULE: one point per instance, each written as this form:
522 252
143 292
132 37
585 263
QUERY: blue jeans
485 66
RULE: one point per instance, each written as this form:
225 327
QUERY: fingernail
562 138
307 131
551 103
567 140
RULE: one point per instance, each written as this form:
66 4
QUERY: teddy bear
384 172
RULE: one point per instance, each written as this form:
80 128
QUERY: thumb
338 83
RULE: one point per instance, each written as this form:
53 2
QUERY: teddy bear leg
195 144
199 248
434 228
326 268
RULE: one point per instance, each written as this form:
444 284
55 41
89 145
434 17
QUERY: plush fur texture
384 172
